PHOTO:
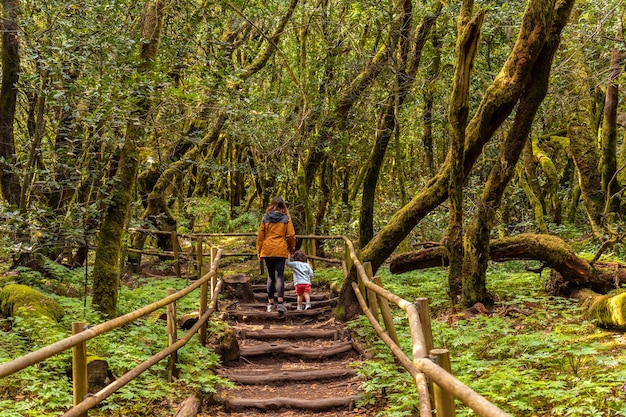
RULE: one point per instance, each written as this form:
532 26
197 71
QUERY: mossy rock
17 300
609 311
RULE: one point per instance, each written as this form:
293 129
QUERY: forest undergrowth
534 356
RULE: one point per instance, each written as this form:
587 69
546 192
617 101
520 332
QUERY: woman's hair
299 256
278 204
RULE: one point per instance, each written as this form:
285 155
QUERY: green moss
339 312
21 300
610 311
556 249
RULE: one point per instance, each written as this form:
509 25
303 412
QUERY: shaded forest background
365 116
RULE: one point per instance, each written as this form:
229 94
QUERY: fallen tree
569 274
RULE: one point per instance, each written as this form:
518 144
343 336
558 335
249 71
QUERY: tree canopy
364 116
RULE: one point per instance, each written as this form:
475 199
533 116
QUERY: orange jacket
276 237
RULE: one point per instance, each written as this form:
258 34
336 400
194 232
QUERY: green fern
62 273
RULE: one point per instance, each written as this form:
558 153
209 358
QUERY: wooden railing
430 367
427 361
77 342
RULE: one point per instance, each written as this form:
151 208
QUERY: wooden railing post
176 247
214 251
347 257
204 296
372 301
199 256
313 248
444 401
172 337
386 313
424 312
79 367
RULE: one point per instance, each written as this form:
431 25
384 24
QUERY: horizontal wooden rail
194 235
327 260
150 231
152 252
231 254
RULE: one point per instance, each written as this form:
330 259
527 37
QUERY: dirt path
292 364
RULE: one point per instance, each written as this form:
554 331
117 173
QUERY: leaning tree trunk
476 243
108 252
9 181
496 105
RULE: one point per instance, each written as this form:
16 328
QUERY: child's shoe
270 307
307 306
300 307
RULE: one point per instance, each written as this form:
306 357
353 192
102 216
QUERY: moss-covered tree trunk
584 149
477 236
608 162
607 311
428 92
552 176
17 300
305 200
109 246
497 103
468 30
9 181
535 202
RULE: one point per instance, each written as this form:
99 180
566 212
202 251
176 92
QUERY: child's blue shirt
302 272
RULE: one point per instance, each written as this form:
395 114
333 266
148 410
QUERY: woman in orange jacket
276 240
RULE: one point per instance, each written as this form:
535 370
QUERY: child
302 276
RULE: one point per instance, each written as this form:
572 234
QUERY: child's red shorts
302 288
